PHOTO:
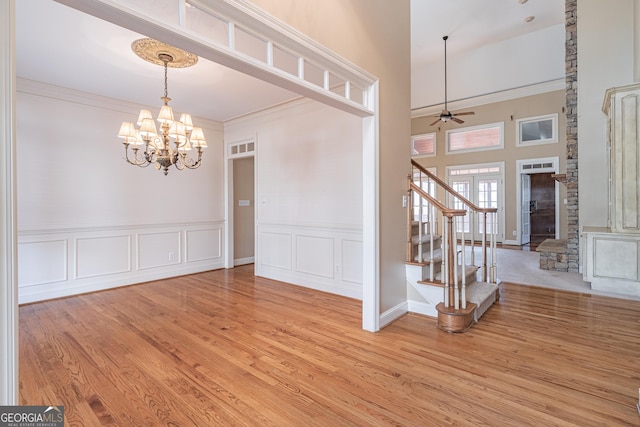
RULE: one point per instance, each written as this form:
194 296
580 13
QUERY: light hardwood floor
226 348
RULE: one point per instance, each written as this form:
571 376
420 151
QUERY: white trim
28 231
519 171
229 261
506 95
45 90
371 216
554 130
421 136
244 15
499 125
422 308
8 215
394 313
501 197
243 261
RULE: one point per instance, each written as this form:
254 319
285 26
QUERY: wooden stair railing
487 215
454 289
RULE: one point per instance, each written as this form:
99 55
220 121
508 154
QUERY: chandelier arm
137 160
189 163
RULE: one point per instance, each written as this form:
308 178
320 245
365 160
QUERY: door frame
501 236
535 166
241 151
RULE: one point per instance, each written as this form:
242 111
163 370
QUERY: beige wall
243 216
373 34
507 112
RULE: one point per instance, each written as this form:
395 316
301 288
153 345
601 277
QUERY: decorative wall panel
315 255
99 256
276 250
158 249
42 262
352 261
203 245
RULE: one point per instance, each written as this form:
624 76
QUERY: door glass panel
487 198
464 189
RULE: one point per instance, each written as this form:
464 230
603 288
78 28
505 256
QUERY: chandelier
176 138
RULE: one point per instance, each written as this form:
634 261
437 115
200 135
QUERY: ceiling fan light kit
447 115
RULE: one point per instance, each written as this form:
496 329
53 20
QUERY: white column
371 215
8 219
636 39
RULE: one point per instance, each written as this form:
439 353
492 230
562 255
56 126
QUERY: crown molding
36 88
489 98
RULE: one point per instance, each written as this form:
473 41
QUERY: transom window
423 145
476 138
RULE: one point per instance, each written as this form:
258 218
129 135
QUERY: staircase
443 279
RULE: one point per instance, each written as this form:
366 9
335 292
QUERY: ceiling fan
447 115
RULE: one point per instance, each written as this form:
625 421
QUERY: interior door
525 235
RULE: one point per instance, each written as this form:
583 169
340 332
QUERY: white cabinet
611 257
622 106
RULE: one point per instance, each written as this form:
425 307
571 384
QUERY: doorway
538 201
240 227
542 208
483 185
243 211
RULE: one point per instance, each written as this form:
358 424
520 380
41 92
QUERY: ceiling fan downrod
445 72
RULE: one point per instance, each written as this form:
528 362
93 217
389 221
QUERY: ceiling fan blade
435 122
457 120
466 113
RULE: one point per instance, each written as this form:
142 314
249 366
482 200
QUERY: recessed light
522 1
529 18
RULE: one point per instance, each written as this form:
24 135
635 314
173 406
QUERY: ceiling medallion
154 51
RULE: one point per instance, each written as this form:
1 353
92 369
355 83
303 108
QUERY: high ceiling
63 47
473 23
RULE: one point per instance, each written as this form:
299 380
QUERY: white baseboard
423 308
511 242
243 261
393 314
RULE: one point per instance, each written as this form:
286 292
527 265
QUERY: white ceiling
63 47
473 23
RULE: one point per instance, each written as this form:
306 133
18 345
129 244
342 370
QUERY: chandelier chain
166 92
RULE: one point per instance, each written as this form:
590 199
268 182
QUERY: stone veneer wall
571 66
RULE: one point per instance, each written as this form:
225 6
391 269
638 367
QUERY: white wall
605 60
89 221
308 195
522 61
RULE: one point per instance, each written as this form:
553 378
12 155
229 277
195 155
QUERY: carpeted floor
517 266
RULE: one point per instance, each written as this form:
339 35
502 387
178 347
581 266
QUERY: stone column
571 65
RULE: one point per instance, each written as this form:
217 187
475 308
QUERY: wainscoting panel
352 261
100 256
202 245
158 249
107 257
325 258
276 250
315 255
50 257
611 260
621 255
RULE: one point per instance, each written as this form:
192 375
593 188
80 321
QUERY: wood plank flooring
226 348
